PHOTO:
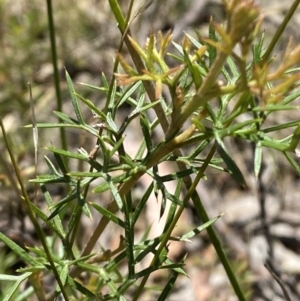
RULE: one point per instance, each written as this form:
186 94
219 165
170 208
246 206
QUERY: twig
278 280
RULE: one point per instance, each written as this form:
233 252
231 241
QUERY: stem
214 71
167 235
55 69
200 99
138 62
279 31
218 246
30 212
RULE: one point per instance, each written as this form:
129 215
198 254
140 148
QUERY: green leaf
63 275
52 168
18 250
47 179
274 108
199 229
234 70
146 131
104 275
82 289
80 199
117 179
173 206
295 139
257 49
8 277
174 199
151 269
74 99
66 153
116 146
12 290
272 143
43 256
60 163
65 118
168 287
232 167
212 51
111 216
194 71
234 129
35 268
292 161
93 108
55 224
176 268
163 204
196 43
71 196
116 195
101 188
148 247
86 211
178 175
131 89
141 204
281 126
56 211
145 107
25 294
111 123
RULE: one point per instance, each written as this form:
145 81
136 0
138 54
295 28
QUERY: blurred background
87 38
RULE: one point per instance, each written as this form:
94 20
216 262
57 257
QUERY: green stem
165 125
170 229
280 31
30 212
140 66
201 97
218 246
55 70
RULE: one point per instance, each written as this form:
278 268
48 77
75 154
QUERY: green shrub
211 83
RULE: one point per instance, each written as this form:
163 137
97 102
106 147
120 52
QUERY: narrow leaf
111 216
295 139
55 224
146 131
231 165
82 289
74 99
199 229
292 161
93 108
116 195
60 163
63 275
65 117
13 289
66 153
168 287
52 168
86 211
18 250
142 203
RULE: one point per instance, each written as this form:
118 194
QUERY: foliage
212 82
